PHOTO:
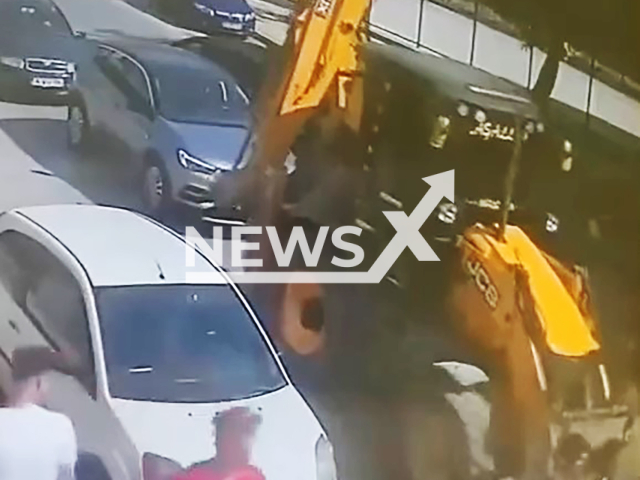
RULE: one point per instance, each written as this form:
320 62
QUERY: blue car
212 16
183 121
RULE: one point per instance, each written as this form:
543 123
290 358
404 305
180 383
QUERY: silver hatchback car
183 120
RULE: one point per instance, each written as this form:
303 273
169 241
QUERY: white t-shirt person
35 443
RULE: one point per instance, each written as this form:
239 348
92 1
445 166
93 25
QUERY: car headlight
325 461
204 9
249 16
194 163
12 62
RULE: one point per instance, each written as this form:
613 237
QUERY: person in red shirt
234 434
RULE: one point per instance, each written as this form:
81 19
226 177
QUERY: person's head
29 365
234 432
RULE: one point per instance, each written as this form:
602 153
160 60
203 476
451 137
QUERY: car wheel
156 190
78 127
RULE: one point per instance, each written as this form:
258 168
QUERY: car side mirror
80 34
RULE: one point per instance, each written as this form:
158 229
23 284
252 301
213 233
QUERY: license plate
48 82
232 26
207 177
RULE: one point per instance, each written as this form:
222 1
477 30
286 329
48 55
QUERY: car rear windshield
199 96
181 343
33 18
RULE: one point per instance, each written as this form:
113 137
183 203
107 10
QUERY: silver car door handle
14 326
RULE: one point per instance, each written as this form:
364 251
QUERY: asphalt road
37 167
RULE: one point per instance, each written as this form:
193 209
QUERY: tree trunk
548 75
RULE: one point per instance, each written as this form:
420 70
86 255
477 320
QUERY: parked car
155 358
211 16
246 61
38 49
183 120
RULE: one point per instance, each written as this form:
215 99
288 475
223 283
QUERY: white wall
450 34
501 55
446 32
572 87
398 16
615 108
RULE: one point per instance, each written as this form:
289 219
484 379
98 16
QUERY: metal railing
475 23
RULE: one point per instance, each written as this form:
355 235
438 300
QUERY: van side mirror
80 34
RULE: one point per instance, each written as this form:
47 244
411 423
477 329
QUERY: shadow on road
103 178
379 396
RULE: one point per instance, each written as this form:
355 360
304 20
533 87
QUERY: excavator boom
320 65
321 57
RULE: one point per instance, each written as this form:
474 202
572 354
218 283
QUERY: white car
161 356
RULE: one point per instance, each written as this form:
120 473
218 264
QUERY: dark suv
38 50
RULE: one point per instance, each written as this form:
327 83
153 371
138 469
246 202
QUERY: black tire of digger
350 322
329 357
297 264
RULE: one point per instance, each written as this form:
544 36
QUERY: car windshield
181 343
34 18
199 96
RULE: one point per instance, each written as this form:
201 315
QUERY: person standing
35 443
235 430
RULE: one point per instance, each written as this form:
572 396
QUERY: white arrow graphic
407 228
407 235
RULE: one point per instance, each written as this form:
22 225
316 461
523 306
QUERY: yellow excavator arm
321 59
321 62
326 44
